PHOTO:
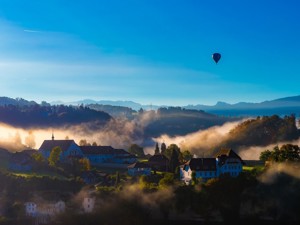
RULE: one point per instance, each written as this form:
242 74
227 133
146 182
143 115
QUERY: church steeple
52 136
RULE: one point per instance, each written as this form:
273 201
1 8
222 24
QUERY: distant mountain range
281 107
141 126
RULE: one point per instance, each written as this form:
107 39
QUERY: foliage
156 151
117 181
136 150
19 188
115 111
261 131
265 155
147 183
44 115
186 156
38 157
85 164
167 180
83 142
194 178
54 155
180 121
174 159
163 148
104 190
287 152
174 155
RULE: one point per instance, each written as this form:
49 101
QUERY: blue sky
150 51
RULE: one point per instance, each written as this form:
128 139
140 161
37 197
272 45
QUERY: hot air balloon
216 57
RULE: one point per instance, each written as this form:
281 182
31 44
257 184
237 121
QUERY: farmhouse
225 161
107 154
229 162
69 149
96 154
139 168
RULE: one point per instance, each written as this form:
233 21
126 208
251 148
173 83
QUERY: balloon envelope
216 57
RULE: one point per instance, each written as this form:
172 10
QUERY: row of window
232 167
212 174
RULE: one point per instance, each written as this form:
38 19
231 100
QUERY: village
90 157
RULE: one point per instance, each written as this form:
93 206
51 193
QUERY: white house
205 168
225 161
229 162
30 209
88 204
139 168
44 212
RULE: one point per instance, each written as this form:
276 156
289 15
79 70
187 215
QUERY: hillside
261 131
115 111
17 102
43 116
180 121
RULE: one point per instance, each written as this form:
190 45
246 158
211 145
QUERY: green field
259 168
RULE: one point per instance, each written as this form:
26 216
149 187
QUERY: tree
156 151
287 152
170 149
85 164
186 156
194 178
265 155
54 155
163 148
136 150
275 154
177 172
83 142
174 159
167 180
117 179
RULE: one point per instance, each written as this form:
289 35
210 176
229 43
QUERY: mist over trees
286 153
261 131
179 121
44 115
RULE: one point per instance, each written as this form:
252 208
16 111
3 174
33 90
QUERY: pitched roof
202 164
21 158
30 151
48 145
103 150
226 153
139 165
158 158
